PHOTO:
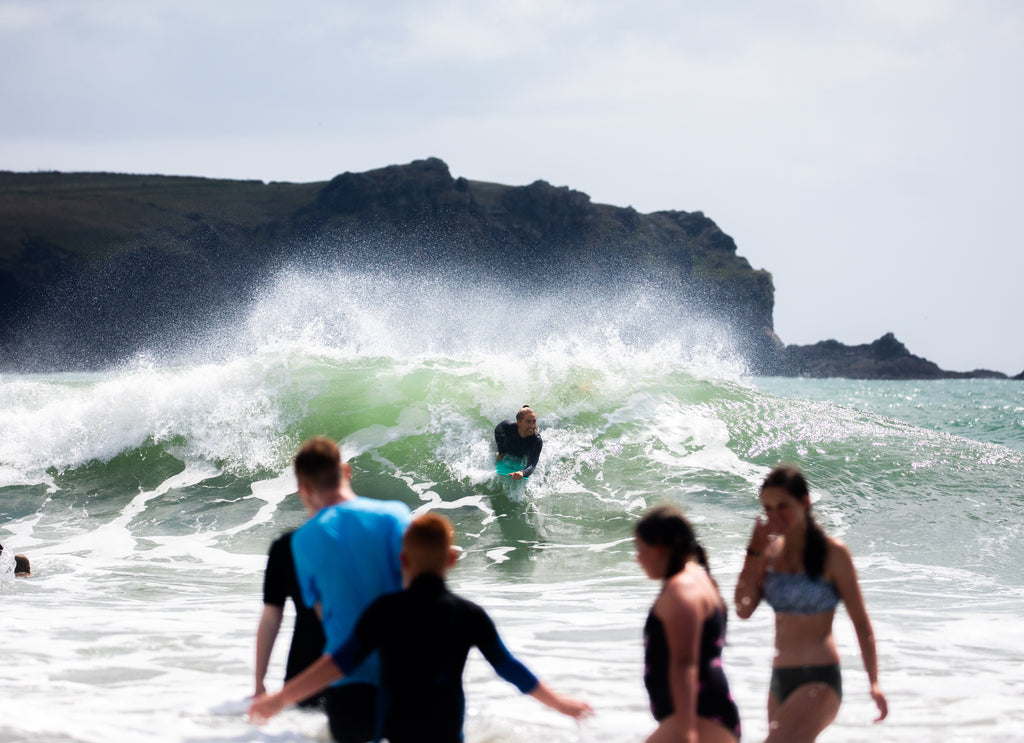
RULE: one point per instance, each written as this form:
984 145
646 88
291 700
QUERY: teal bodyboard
508 465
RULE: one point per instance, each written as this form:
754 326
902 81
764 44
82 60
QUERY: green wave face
622 428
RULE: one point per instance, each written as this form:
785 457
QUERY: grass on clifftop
90 212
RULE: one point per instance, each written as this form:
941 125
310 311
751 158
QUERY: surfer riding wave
519 439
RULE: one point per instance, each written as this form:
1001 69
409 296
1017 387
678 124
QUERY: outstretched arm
513 671
566 705
318 676
499 440
532 458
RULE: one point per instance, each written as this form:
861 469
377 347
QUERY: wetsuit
510 443
424 634
279 585
714 701
799 593
346 556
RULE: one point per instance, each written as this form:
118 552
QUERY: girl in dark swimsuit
684 636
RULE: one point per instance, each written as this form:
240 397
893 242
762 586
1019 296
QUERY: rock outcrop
885 358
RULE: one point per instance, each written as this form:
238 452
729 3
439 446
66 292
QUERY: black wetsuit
713 698
424 634
506 436
279 585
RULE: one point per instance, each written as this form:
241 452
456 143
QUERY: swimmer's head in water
22 567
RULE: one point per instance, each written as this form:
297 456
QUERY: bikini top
798 593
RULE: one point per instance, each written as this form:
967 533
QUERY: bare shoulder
838 560
695 588
836 545
681 586
684 589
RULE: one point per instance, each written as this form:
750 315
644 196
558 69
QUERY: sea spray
343 312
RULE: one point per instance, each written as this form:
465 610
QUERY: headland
95 266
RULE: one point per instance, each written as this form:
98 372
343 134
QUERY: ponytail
814 548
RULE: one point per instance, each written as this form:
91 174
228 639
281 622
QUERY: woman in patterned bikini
803 574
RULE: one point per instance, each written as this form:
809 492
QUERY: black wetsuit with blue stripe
424 634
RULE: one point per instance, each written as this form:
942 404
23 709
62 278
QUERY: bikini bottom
786 680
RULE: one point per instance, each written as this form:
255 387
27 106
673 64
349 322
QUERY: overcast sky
866 152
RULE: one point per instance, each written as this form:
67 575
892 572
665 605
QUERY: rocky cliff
97 266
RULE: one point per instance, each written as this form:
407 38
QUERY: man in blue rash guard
345 557
423 634
519 438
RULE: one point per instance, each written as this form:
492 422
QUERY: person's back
346 556
424 635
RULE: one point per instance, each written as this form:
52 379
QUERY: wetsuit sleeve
494 650
275 579
362 642
534 456
499 438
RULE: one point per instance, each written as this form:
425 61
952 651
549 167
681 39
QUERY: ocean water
146 496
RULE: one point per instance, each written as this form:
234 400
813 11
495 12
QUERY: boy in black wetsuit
424 634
